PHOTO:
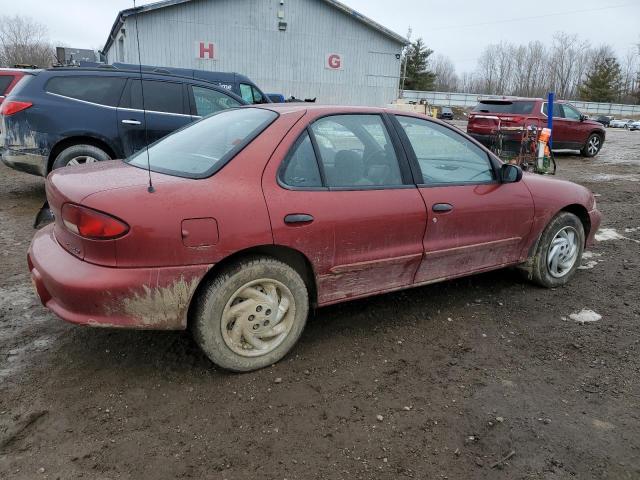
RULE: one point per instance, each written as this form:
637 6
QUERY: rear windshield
519 107
5 81
202 148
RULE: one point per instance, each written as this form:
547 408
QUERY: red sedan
258 213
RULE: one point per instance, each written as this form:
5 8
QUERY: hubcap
258 317
81 160
563 252
594 145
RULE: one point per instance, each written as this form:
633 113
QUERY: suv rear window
204 147
501 106
5 81
101 90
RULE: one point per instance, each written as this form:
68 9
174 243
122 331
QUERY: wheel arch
578 210
290 256
77 140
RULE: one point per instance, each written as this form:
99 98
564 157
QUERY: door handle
298 218
442 207
131 122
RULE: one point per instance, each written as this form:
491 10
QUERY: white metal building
305 48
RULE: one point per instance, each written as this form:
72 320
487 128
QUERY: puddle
585 316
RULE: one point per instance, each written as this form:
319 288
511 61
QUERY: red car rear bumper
88 294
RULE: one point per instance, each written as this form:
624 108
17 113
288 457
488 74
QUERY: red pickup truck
571 129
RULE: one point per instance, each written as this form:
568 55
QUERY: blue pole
550 117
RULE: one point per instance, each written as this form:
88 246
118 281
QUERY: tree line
568 66
24 41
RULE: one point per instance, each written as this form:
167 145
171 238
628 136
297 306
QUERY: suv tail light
91 224
9 107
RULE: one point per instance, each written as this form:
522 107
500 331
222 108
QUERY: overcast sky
459 29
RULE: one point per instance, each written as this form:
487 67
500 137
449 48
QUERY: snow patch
585 316
591 260
605 234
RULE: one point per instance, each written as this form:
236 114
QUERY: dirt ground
436 382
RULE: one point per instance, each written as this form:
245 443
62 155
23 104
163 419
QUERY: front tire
559 251
251 314
80 154
593 145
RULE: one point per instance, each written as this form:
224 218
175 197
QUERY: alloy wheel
594 145
81 160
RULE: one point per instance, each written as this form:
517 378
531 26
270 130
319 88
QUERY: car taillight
89 223
9 107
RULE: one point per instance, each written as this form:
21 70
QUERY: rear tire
559 251
251 314
593 145
79 155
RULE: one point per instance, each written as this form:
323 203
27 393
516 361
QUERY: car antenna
150 188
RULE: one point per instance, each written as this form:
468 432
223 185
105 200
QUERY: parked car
446 113
239 84
634 125
67 116
624 123
9 77
603 119
571 129
261 213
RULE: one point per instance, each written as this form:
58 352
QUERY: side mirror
583 117
510 173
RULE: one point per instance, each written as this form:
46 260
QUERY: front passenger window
445 156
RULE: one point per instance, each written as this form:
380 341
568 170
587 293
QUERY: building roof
123 14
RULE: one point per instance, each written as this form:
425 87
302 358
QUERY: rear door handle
131 122
298 218
442 207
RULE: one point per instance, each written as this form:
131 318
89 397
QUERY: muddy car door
342 194
166 109
475 221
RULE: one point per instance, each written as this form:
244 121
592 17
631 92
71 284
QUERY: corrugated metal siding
248 41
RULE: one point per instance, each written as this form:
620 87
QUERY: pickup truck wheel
80 154
251 314
593 145
559 251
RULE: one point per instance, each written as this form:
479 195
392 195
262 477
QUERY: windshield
489 106
204 147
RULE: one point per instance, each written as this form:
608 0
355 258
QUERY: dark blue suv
69 116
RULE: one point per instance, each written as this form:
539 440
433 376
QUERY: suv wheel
79 155
251 314
593 145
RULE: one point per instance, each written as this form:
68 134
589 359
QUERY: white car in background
634 125
620 123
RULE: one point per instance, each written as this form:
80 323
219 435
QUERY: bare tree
446 78
24 41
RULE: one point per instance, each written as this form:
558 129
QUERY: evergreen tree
603 82
418 77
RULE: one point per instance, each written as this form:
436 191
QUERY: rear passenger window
158 96
207 101
102 90
300 168
356 151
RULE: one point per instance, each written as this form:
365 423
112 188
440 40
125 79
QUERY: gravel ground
443 381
